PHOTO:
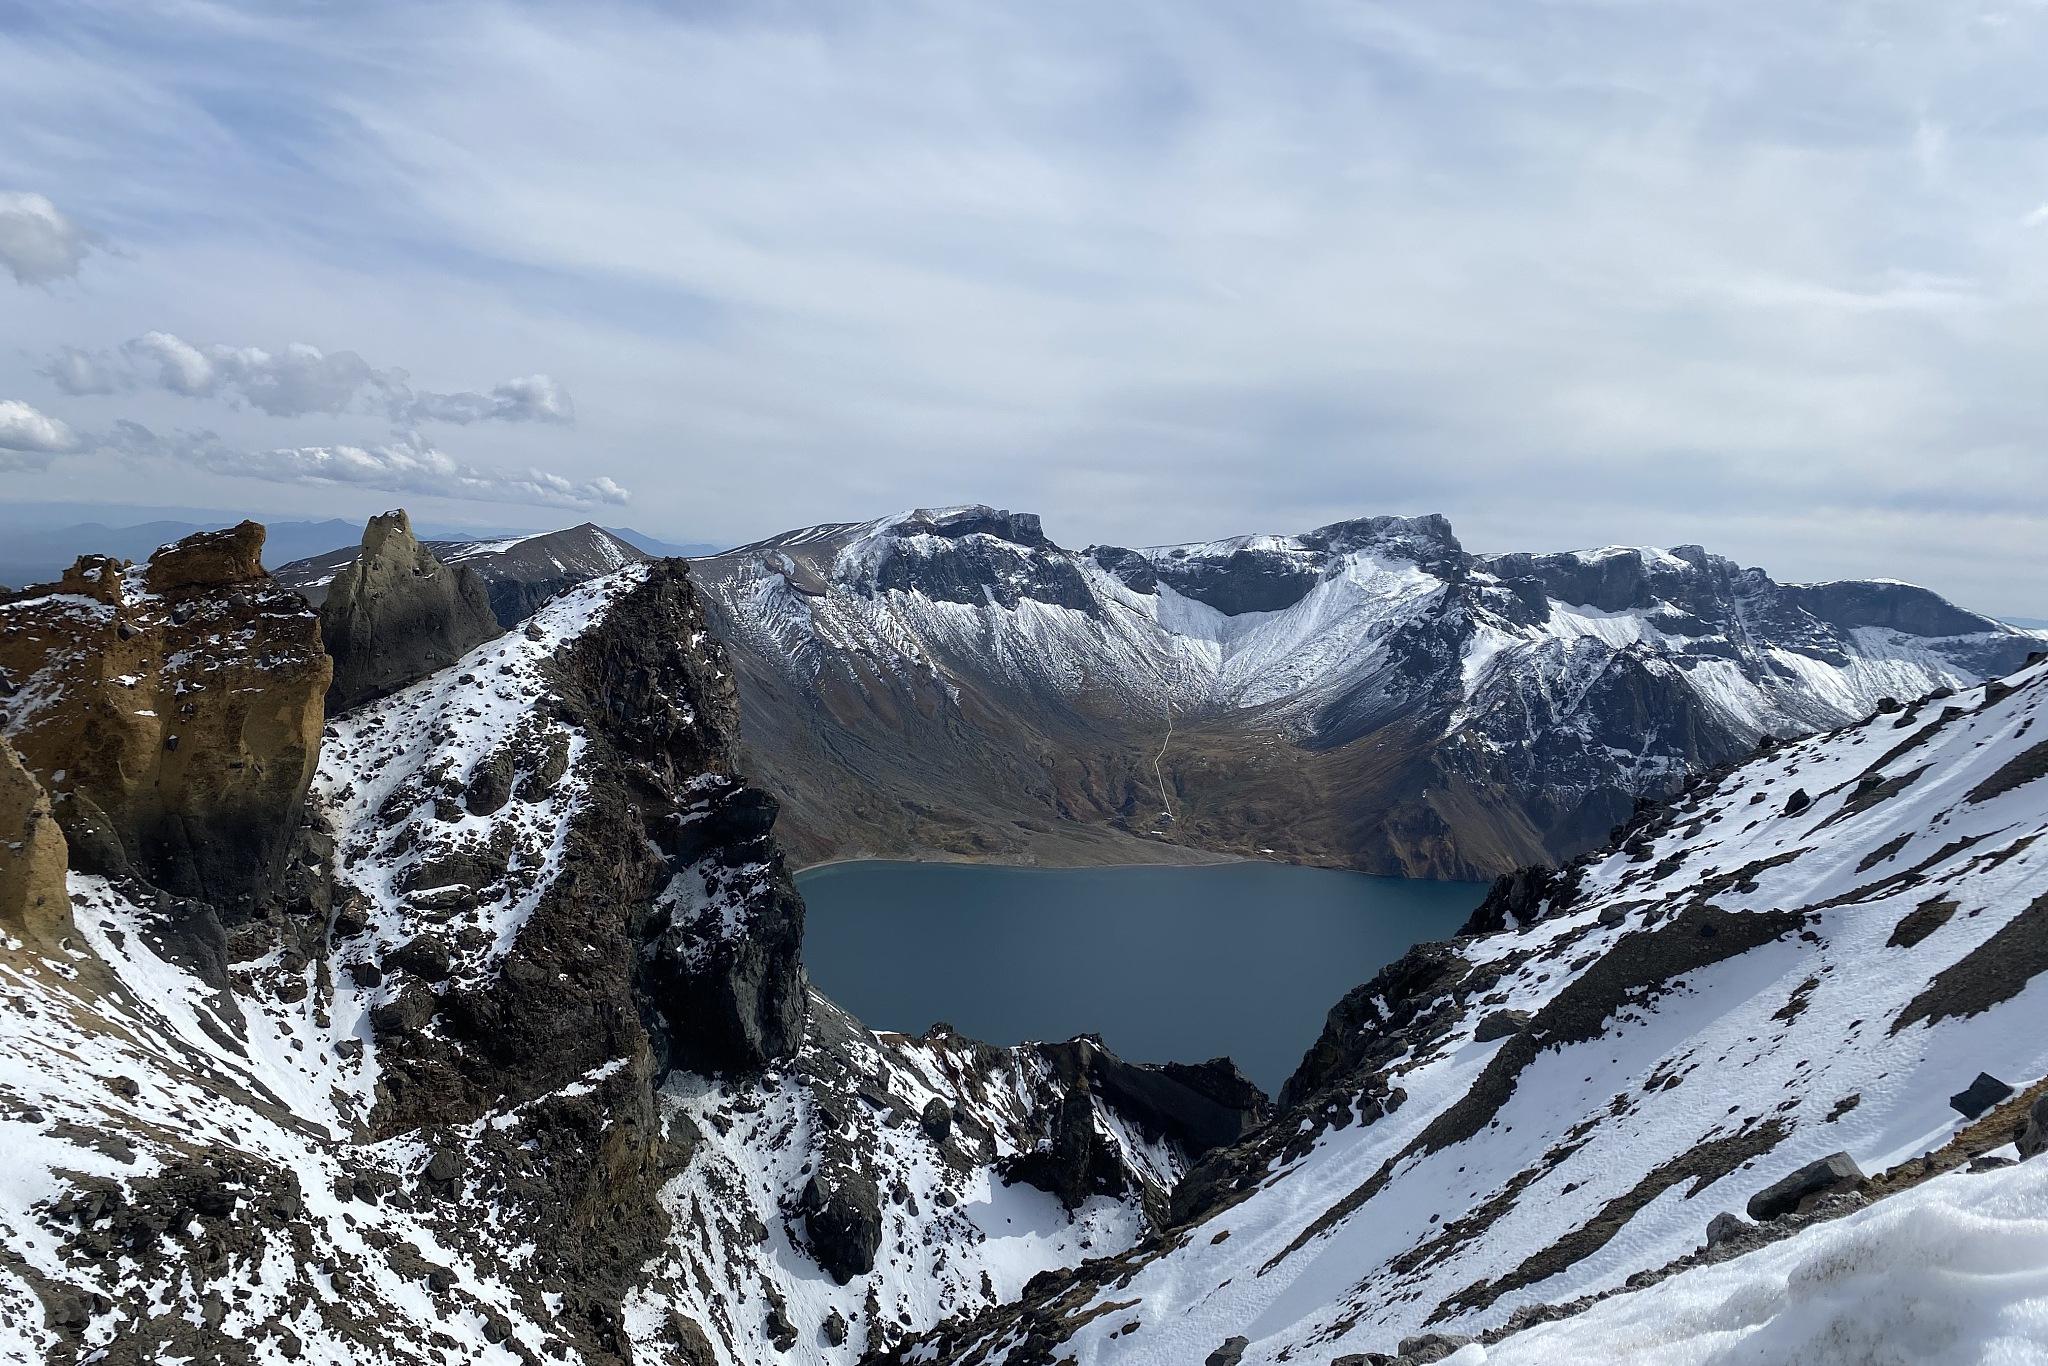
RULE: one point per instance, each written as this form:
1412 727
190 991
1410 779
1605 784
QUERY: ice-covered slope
512 1058
1809 953
952 682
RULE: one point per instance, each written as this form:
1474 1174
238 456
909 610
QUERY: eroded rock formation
395 614
172 712
33 903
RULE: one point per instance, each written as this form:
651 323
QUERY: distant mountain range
41 540
952 683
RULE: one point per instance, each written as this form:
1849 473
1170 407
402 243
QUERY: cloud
298 381
535 398
29 439
406 464
1156 271
79 372
2038 218
38 244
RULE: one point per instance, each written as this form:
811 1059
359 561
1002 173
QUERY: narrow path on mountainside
1158 772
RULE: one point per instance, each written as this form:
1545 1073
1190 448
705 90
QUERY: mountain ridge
952 683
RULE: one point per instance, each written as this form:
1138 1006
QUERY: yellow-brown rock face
171 711
33 903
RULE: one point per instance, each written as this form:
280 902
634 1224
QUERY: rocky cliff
951 683
34 906
496 1044
172 711
519 573
396 614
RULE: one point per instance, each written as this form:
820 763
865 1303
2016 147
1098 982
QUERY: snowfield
1805 955
1952 1273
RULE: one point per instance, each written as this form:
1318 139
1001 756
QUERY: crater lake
1167 964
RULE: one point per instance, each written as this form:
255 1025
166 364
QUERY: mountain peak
970 519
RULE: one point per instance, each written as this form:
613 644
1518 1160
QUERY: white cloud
1156 270
533 398
406 464
29 439
2038 218
38 244
298 381
178 365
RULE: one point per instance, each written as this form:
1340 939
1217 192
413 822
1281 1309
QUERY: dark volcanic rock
1979 1096
1229 1354
1523 897
1359 1024
937 1120
717 999
1829 1175
843 1215
1500 1024
396 614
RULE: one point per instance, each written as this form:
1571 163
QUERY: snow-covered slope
1452 714
516 1060
1807 954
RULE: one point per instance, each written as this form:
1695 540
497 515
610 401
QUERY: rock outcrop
951 683
172 712
519 573
1796 1192
34 905
396 614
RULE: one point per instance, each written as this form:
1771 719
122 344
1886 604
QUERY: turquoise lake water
1166 964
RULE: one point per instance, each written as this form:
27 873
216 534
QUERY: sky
1766 275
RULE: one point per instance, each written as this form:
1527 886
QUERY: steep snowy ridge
1459 714
518 1062
1807 953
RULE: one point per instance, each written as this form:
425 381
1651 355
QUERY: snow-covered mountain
519 572
951 682
473 1027
1810 984
470 1024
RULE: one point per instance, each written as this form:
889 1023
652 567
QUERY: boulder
1979 1096
209 559
1432 1346
1724 1226
843 1215
34 905
2033 1137
937 1120
1500 1024
781 1332
406 1012
1797 802
425 956
1834 1174
1229 1354
398 614
444 1167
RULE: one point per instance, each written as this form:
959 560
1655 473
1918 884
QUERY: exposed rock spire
397 614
